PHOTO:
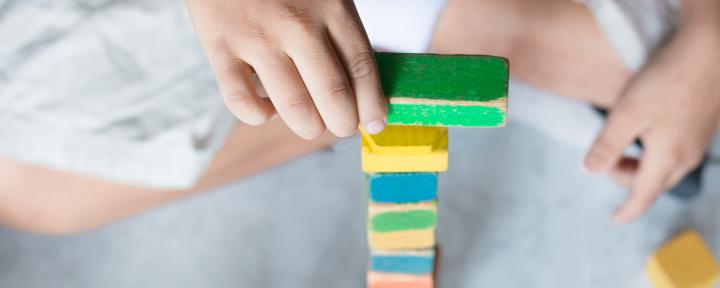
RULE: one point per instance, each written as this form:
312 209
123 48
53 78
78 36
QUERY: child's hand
673 106
312 57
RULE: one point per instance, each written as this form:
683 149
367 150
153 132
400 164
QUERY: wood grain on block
405 149
445 90
415 262
684 262
402 187
390 280
401 217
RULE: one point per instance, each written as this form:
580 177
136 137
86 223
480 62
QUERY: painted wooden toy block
445 90
684 262
402 226
390 280
402 187
405 149
414 262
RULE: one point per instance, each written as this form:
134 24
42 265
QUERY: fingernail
374 127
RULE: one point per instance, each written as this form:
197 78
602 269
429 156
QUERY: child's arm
672 105
312 56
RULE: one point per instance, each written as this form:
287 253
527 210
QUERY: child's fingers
234 80
325 79
288 93
353 47
655 170
622 128
625 172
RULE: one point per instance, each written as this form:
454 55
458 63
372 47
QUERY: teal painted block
403 262
402 187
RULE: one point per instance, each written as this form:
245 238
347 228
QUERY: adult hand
312 57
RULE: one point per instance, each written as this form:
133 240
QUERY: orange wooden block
389 280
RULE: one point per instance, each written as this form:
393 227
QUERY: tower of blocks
427 93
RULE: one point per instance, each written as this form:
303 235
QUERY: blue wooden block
402 187
403 262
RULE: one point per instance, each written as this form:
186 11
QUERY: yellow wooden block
684 262
405 149
404 240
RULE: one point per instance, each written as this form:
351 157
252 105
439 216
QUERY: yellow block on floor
405 149
684 262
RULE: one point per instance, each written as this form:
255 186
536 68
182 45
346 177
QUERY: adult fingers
350 40
325 79
287 92
234 78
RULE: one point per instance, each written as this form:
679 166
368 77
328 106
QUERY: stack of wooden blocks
403 163
427 93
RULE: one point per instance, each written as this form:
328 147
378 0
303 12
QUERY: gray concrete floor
515 211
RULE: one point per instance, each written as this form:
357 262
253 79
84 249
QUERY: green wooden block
445 90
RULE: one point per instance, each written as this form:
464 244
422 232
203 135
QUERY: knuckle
259 37
362 66
338 91
297 105
218 50
253 36
300 19
244 107
239 100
